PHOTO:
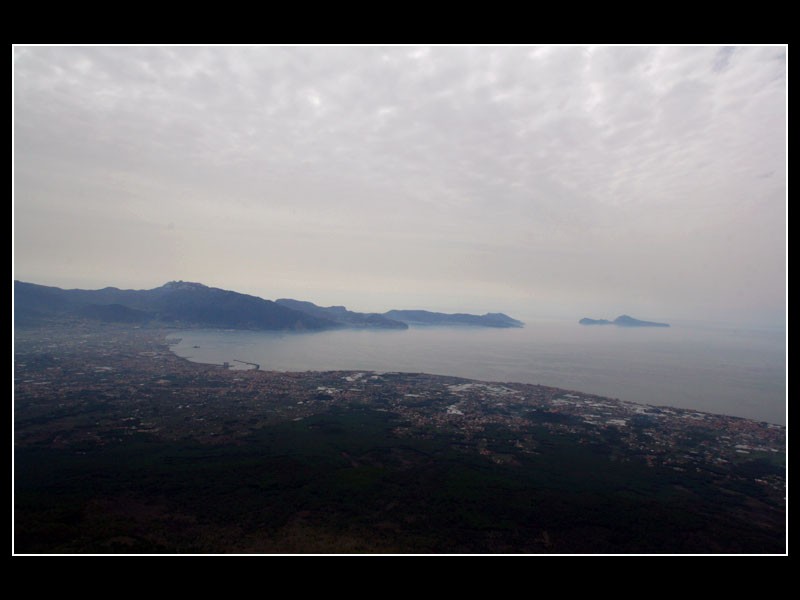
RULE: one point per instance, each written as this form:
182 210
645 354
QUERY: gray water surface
728 371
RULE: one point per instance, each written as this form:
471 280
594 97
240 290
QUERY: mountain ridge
426 317
192 304
176 303
340 313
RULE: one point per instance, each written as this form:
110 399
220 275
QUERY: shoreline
569 389
580 393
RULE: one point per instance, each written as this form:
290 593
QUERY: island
120 446
622 321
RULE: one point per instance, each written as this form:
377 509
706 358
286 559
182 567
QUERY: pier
254 365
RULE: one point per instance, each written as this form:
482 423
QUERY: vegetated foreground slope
122 447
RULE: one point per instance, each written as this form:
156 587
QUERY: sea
705 367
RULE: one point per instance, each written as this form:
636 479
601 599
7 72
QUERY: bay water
711 368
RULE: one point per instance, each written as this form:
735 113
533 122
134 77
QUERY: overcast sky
537 181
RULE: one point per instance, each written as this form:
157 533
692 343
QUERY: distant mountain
622 321
114 313
424 317
341 315
399 319
176 303
186 304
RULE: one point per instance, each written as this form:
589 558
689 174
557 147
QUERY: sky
544 182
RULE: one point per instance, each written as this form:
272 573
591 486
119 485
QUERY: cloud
602 159
722 59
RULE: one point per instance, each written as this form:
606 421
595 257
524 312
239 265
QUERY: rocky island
622 321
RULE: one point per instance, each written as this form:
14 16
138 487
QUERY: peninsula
190 304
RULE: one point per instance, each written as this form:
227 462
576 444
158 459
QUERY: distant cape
424 317
400 319
341 315
622 321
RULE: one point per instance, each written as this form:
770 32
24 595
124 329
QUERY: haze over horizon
551 181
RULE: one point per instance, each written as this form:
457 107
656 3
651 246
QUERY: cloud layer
538 180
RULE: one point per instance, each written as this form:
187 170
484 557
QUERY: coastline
716 374
85 391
